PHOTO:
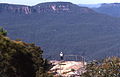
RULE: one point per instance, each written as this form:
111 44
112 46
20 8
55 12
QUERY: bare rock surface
68 68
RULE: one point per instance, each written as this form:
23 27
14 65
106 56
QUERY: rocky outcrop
68 68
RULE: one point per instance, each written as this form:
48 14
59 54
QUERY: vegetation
78 32
3 32
20 59
109 67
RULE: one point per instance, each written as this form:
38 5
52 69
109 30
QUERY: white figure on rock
61 55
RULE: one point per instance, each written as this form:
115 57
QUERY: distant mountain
112 9
63 26
90 5
51 7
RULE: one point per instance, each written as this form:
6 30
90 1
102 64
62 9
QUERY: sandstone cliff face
54 7
15 8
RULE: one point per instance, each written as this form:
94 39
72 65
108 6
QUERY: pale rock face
26 10
68 68
21 9
53 7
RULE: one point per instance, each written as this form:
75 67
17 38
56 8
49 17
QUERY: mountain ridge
82 32
111 9
42 7
90 5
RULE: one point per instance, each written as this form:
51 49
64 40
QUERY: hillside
63 26
112 9
20 59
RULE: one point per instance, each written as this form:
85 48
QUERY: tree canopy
20 59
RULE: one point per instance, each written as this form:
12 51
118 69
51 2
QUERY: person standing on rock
61 55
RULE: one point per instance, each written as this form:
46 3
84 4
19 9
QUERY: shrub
20 59
3 32
109 67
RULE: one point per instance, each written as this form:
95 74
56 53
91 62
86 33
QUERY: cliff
54 7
